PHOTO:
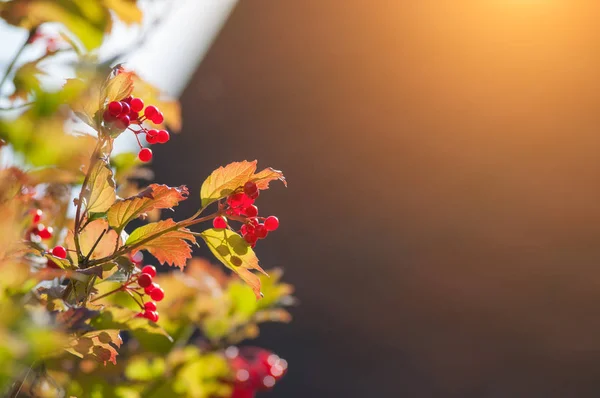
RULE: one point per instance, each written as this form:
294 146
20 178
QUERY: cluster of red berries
254 369
38 231
123 114
241 206
152 289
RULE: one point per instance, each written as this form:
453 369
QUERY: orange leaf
164 242
263 178
119 87
93 232
154 197
99 344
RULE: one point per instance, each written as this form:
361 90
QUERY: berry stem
134 299
122 287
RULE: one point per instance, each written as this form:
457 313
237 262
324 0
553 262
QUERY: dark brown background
442 219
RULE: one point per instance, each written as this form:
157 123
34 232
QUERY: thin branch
15 58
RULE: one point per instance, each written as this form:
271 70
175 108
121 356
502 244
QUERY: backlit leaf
119 87
101 194
225 180
154 197
164 242
126 10
101 345
152 96
90 235
235 253
263 178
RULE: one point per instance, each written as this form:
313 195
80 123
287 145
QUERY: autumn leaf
101 194
225 180
154 197
113 317
101 345
235 253
95 235
263 178
164 242
119 87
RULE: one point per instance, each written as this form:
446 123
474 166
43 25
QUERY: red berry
126 108
219 223
151 139
271 223
250 188
151 315
45 233
150 288
152 132
59 252
128 99
236 200
145 280
133 116
157 294
150 270
260 231
145 155
108 118
123 121
251 211
254 195
37 215
150 111
150 306
140 315
250 238
115 108
158 118
136 104
163 136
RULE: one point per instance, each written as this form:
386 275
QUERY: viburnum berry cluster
140 286
124 114
38 231
255 369
240 207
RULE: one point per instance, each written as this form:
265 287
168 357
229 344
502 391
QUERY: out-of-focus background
442 221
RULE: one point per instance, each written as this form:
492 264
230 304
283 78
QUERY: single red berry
133 116
150 288
59 252
151 139
250 238
150 270
115 108
260 231
250 188
244 230
123 121
254 195
219 223
157 294
152 132
251 211
158 118
145 155
163 136
271 223
36 215
126 108
150 306
150 111
45 233
136 104
107 117
145 280
151 315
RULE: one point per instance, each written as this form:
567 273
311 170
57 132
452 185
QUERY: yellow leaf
263 178
164 242
154 197
119 87
235 253
126 10
101 194
224 180
100 344
90 235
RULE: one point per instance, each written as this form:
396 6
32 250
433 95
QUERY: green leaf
164 241
224 180
145 369
125 319
154 197
235 253
101 188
